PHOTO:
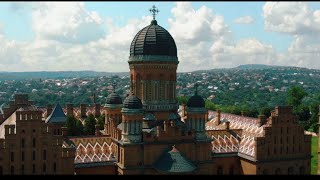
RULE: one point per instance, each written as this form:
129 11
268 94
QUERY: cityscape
146 105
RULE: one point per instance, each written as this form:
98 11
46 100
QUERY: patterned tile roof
227 143
93 149
174 162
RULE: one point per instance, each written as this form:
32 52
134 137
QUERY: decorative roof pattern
153 40
93 149
114 98
174 162
132 102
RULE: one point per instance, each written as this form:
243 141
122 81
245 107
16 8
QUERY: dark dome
196 101
114 98
153 40
132 102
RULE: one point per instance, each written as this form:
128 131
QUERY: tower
196 115
153 64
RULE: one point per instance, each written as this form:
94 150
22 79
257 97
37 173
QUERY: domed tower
196 115
113 112
132 114
153 64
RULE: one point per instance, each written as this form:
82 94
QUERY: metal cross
114 86
154 11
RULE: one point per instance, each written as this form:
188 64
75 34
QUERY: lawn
314 153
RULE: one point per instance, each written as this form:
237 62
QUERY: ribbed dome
196 101
153 40
132 102
114 98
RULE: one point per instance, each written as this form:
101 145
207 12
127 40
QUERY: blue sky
17 22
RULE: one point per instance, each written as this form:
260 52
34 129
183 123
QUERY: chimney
262 120
97 132
227 124
218 117
69 109
49 109
64 131
83 109
97 108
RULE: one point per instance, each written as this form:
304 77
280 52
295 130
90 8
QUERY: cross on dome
154 10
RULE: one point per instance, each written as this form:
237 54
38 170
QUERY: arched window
290 170
12 156
22 143
34 142
278 171
220 170
302 170
33 155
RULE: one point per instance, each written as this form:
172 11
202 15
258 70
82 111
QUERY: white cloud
244 20
303 24
67 22
204 41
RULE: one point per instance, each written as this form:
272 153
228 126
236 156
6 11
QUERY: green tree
295 96
89 125
71 125
101 122
79 128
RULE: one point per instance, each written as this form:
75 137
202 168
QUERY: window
34 130
44 155
22 156
54 167
12 170
22 143
22 169
44 168
33 155
34 142
219 171
33 168
12 156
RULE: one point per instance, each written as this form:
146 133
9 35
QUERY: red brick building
149 133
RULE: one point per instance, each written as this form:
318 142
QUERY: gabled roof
57 115
174 162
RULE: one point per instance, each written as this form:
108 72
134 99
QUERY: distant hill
256 66
56 74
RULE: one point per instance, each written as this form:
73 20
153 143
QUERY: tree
71 125
295 96
101 122
79 128
89 125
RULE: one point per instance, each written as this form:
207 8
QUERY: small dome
196 101
153 40
132 102
114 98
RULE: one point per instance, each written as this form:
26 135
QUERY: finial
154 10
196 86
114 87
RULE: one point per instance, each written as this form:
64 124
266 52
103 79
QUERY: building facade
147 132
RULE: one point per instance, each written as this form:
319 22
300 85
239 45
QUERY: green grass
314 153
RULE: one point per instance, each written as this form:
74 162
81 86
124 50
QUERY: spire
114 87
154 10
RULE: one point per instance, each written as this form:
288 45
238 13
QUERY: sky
73 36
